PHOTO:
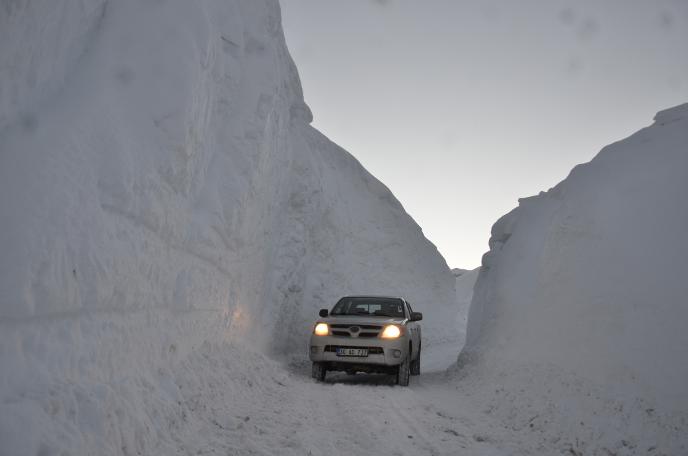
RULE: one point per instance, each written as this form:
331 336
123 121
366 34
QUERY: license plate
352 352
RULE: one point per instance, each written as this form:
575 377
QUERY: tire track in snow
415 433
388 416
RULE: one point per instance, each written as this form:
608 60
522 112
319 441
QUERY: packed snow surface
161 190
580 310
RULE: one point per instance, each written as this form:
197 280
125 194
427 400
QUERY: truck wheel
404 371
319 371
415 364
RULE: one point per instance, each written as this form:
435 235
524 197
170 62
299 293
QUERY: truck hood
362 320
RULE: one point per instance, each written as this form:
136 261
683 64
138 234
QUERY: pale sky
462 107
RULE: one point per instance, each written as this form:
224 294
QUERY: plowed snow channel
247 404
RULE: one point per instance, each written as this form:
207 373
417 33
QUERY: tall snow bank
41 42
583 296
160 190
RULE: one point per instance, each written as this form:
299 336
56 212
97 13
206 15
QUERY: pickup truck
372 334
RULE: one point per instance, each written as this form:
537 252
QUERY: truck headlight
321 329
391 332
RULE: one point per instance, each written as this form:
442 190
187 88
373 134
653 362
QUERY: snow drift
582 298
161 189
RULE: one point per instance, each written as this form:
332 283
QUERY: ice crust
161 190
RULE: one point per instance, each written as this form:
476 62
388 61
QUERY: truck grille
349 330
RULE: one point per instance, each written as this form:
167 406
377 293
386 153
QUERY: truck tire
318 372
404 371
415 364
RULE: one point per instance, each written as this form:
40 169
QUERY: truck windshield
380 307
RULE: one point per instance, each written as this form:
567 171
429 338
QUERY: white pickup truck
367 334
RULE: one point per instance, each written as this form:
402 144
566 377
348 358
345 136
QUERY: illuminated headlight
391 332
321 329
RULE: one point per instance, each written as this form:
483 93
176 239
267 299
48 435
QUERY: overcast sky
462 107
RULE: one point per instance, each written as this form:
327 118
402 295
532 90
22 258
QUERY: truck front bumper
381 352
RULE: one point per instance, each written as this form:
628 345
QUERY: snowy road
270 409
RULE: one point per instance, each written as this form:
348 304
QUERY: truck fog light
396 353
314 350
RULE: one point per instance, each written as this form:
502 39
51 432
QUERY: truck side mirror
416 316
323 313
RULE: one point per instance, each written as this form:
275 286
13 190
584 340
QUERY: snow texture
465 282
161 190
171 223
580 310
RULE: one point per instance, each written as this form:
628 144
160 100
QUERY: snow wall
586 285
161 189
465 283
